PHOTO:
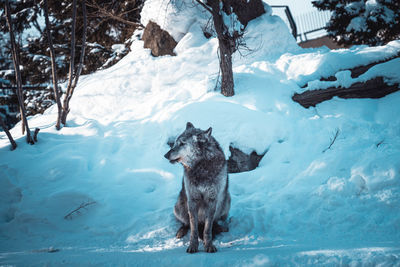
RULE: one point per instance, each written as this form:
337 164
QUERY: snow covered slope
99 192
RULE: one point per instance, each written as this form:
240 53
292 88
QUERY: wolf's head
191 146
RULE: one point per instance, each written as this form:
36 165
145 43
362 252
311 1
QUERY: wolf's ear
189 125
208 132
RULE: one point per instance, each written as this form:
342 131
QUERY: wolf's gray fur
204 198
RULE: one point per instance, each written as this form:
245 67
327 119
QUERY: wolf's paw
193 248
182 231
210 248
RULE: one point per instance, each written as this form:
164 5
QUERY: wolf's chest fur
205 189
206 178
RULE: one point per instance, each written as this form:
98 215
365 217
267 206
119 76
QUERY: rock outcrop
159 41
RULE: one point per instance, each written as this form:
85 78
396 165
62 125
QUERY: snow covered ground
99 192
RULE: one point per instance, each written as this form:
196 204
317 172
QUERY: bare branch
4 126
53 65
72 57
37 26
380 143
128 11
16 60
65 109
205 6
83 48
332 140
118 17
83 205
37 130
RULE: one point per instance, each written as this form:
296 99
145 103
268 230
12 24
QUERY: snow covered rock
240 161
175 17
159 41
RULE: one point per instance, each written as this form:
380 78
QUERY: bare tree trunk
74 77
4 126
71 66
83 48
226 46
225 63
53 65
15 54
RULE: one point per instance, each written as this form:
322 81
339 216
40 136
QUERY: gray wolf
204 198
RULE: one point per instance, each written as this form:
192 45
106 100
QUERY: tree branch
74 80
105 13
205 6
332 141
35 134
18 78
4 126
83 48
65 109
53 65
72 57
77 210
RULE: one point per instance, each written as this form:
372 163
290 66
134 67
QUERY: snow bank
100 191
266 38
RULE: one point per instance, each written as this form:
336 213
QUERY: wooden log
375 88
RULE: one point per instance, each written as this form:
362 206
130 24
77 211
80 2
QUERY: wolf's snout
172 158
167 155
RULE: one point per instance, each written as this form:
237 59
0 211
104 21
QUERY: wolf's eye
181 143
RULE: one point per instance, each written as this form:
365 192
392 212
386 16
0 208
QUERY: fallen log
358 70
374 88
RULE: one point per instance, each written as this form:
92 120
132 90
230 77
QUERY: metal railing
305 26
290 19
312 24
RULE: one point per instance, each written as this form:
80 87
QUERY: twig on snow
380 143
77 210
332 140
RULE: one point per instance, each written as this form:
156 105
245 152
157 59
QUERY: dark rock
159 41
242 162
245 10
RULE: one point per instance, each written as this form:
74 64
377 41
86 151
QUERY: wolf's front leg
207 236
194 231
